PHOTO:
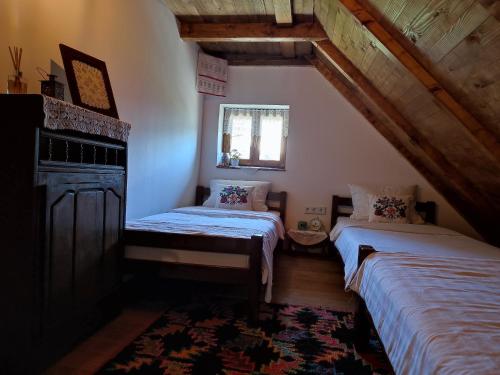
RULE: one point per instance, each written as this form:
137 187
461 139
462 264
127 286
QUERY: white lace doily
60 115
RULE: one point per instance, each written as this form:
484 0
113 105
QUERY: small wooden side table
307 242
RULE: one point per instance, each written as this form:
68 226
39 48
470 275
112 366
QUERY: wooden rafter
493 6
251 32
351 72
351 93
349 90
265 60
467 205
478 131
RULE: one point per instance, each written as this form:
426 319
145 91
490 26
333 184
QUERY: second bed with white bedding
434 315
211 222
433 295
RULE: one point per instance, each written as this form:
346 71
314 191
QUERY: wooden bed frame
363 323
251 247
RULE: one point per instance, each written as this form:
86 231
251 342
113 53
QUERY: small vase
235 162
225 161
17 85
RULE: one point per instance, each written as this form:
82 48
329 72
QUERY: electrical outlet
315 210
321 210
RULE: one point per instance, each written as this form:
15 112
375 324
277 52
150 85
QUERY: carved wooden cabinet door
82 252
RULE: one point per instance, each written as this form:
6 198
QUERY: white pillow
389 208
359 194
234 197
259 194
360 202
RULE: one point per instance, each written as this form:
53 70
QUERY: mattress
432 240
211 222
434 315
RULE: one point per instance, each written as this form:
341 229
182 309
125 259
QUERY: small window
257 133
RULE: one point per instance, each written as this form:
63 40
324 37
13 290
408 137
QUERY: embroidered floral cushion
259 195
389 209
234 197
360 194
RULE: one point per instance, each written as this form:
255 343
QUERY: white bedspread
431 240
434 315
224 223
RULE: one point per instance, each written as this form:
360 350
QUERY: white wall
329 144
152 73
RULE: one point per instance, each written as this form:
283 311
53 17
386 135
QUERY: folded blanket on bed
220 222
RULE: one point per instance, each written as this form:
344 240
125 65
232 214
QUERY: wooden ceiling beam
251 32
266 60
446 183
287 49
354 95
483 135
353 74
492 6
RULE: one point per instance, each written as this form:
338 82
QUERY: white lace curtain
231 113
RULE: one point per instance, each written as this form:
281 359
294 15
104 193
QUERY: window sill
254 168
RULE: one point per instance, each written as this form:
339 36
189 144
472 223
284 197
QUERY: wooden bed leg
362 327
362 322
277 253
253 304
254 279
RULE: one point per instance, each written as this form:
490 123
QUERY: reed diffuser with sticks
16 83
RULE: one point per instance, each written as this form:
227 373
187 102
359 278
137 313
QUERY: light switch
313 210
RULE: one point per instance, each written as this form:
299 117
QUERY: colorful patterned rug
213 337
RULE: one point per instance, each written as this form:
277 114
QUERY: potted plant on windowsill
235 158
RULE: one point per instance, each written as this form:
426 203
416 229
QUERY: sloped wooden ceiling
425 73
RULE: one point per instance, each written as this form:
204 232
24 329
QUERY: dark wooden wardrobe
62 209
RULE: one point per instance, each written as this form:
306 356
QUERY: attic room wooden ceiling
425 73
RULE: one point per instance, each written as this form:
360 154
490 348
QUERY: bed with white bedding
211 244
433 294
434 315
206 221
348 234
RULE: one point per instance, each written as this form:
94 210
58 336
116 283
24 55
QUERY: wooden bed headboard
275 201
342 206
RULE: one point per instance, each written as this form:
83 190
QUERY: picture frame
88 81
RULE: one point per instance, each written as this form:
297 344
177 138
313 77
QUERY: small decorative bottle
17 84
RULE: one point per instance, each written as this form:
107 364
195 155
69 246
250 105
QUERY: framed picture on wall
88 81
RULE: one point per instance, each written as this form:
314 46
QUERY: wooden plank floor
303 280
298 280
